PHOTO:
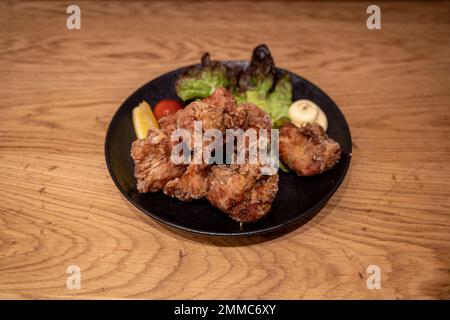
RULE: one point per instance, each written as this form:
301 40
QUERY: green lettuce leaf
201 82
275 103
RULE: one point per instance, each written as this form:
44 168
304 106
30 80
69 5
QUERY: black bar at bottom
218 309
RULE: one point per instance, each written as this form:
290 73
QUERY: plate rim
286 224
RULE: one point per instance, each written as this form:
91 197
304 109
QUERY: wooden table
59 207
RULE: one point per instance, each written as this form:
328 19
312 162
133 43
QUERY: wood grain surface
59 207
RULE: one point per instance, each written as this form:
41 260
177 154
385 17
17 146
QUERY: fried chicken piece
210 115
258 200
241 191
246 116
307 150
169 123
191 185
220 111
223 99
210 111
153 168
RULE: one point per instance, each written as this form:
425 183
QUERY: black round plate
297 198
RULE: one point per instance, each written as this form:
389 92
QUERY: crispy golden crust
168 123
191 185
246 116
258 200
241 191
211 116
307 150
255 117
222 99
153 168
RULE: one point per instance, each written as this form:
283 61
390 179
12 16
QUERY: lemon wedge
143 120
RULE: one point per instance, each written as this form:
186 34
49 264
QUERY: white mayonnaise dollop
304 111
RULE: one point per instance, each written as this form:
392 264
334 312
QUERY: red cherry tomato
166 107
